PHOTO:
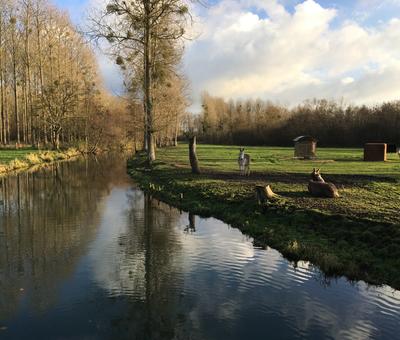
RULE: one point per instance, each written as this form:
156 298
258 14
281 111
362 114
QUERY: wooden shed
375 152
305 147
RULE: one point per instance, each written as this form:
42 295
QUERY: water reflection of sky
115 270
231 289
133 269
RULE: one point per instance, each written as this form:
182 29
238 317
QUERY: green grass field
368 189
8 155
357 235
12 160
280 159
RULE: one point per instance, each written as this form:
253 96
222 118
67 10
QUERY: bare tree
49 84
139 30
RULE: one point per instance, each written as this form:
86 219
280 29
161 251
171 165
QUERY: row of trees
50 91
257 122
145 38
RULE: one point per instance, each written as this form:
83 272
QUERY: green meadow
280 160
25 158
8 155
357 235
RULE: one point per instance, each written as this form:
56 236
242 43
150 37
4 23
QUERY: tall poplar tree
144 28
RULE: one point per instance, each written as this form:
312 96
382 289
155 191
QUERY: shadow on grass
296 178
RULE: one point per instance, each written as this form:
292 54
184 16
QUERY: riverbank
357 235
20 160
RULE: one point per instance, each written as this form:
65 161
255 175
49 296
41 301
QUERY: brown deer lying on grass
318 187
244 163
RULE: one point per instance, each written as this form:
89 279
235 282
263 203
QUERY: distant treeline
257 122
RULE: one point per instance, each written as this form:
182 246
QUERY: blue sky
376 10
287 50
74 7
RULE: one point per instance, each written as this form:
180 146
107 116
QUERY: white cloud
256 48
111 73
347 80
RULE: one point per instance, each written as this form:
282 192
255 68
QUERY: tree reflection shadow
47 219
149 248
191 227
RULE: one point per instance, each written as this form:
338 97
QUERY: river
85 254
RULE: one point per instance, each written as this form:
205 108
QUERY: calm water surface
84 254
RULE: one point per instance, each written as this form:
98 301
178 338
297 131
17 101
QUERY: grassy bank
16 160
357 235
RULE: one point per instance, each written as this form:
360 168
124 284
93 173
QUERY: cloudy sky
288 50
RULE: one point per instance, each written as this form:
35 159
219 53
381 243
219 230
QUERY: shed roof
304 139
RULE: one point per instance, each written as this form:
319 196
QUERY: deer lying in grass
244 163
318 187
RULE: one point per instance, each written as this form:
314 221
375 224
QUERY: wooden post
194 163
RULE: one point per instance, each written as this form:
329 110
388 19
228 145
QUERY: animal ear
314 170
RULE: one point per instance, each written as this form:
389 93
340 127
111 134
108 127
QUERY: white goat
244 163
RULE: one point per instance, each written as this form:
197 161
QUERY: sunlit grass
8 155
13 160
280 159
368 189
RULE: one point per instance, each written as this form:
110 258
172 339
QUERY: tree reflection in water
191 227
141 265
47 219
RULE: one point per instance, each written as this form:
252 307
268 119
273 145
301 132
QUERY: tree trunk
17 120
151 155
3 109
55 135
7 116
194 163
2 121
175 141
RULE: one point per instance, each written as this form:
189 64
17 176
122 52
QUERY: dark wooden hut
375 152
305 147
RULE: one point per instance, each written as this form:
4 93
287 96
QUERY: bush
33 158
17 164
46 156
71 152
59 156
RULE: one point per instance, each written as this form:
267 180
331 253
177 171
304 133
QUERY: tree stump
264 194
194 162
